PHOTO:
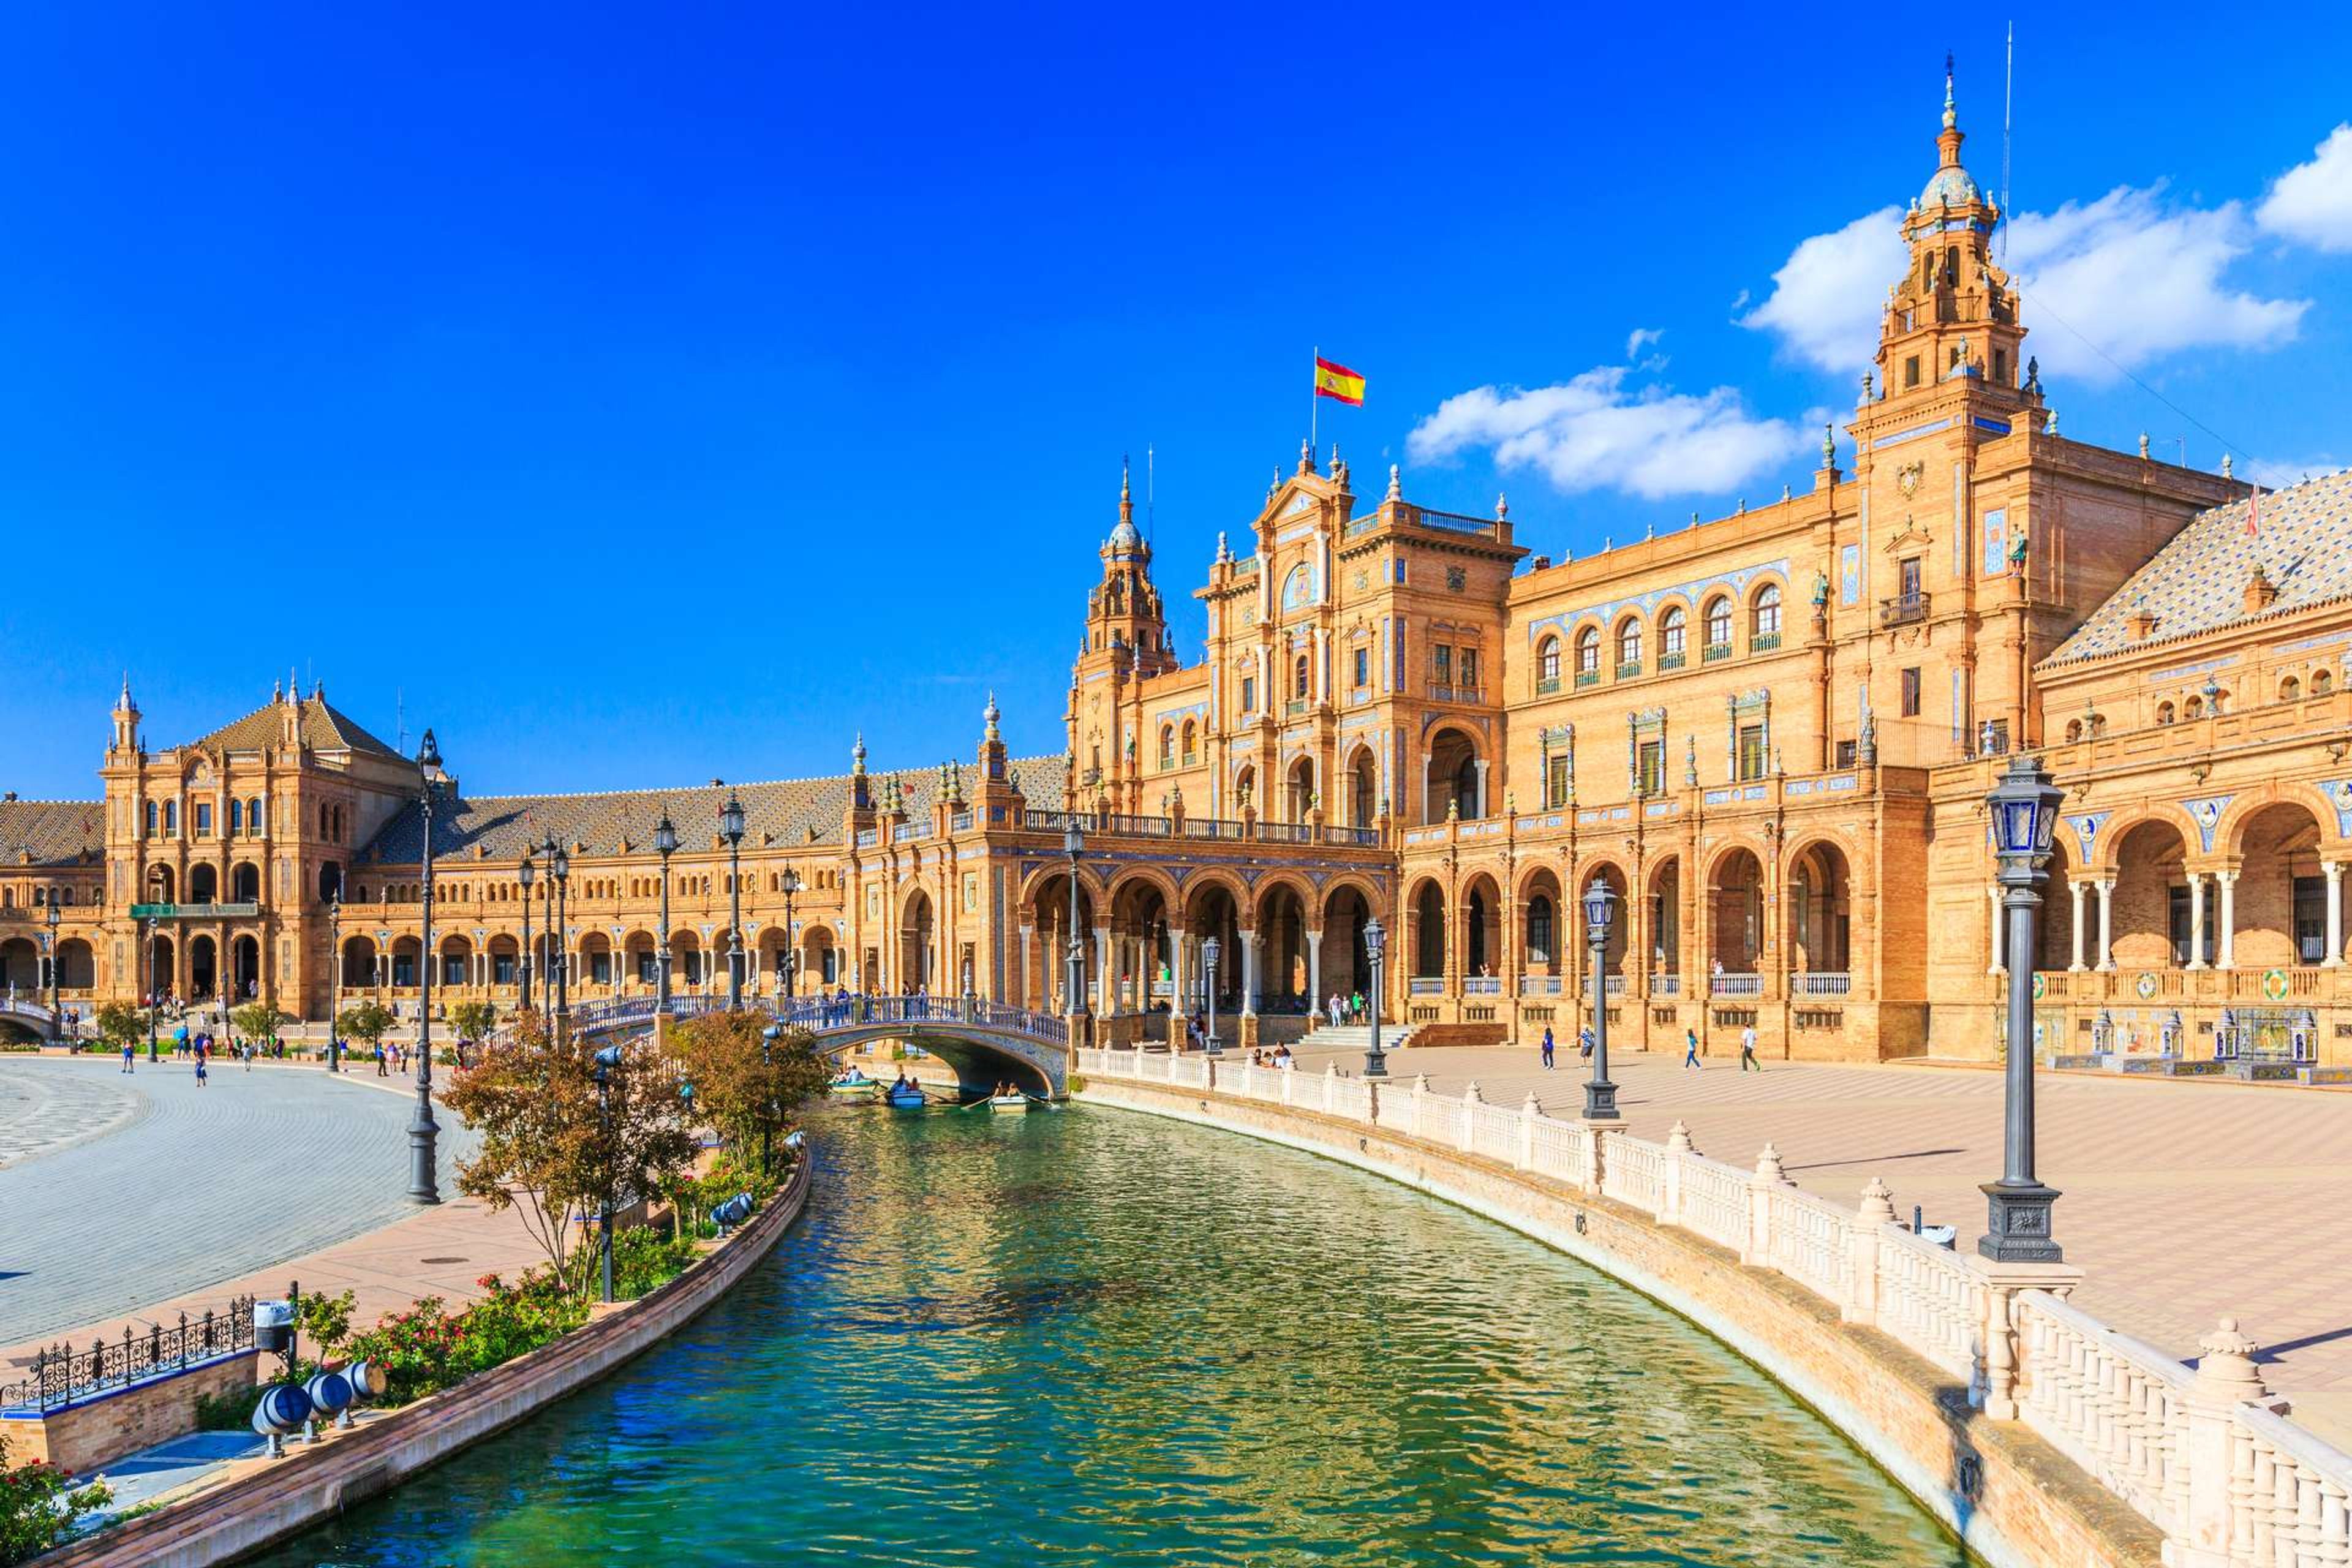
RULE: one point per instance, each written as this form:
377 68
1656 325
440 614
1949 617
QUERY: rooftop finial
1951 111
857 754
1396 484
1829 445
1307 457
1125 495
2225 474
991 715
293 685
1502 506
123 704
1337 468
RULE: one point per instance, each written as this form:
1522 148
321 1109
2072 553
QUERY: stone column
1248 939
1025 932
2074 892
1177 970
1314 968
2196 920
1875 1213
2334 870
1993 896
2226 957
1106 975
1482 787
2213 1465
2107 925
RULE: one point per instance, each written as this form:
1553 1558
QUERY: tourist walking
1547 1048
1690 1050
128 1051
201 1055
380 1070
1748 1050
1584 1042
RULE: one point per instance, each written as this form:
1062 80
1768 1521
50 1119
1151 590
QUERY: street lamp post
335 980
664 846
1599 913
731 828
526 873
547 969
1209 962
791 937
558 938
424 1132
767 1041
1074 845
52 934
2024 806
151 990
1376 941
606 1060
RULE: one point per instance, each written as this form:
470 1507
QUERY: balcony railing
1674 661
1729 984
1714 651
1903 609
1538 984
1822 983
1361 837
1588 677
1286 832
1426 985
1763 642
1294 707
1482 986
1616 987
1629 668
1443 691
1665 984
1548 686
244 911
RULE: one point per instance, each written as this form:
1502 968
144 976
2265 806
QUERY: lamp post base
1601 1101
1376 1063
423 1134
2018 1224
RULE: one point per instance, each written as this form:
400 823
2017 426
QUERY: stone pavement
2184 1200
188 1193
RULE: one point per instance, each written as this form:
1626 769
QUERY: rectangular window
1441 666
1751 750
1469 670
453 969
1908 570
1556 779
1911 692
1249 694
203 819
600 968
645 971
403 969
502 969
1996 737
2179 909
1652 767
1911 371
1363 666
2310 919
1845 753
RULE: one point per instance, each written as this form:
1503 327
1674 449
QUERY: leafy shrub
40 1507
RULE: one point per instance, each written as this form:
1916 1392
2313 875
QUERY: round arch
1424 906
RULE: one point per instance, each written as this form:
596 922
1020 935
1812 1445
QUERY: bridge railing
2206 1456
821 1014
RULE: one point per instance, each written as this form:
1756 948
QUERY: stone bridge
986 1042
20 1019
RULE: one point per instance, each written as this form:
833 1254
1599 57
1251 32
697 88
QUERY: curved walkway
119 1211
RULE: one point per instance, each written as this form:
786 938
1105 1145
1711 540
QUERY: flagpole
1314 395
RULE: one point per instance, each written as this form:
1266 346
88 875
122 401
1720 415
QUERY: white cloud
2313 201
2131 272
1824 302
1594 432
2141 280
2277 473
1641 338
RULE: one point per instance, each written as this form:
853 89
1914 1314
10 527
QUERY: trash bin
273 1326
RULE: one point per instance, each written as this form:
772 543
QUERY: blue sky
645 397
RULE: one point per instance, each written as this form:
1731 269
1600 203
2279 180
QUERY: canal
1094 1337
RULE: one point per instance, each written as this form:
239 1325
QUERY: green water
1092 1336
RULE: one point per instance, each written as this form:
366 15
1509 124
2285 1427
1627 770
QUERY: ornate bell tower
1125 639
1952 322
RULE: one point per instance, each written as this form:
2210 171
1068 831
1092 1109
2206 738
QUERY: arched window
2192 709
1670 638
1167 745
151 819
2290 689
1718 625
2164 712
1629 649
1539 930
235 817
1191 740
170 817
2322 683
255 823
1764 621
1298 670
2098 725
2074 730
1588 652
1547 665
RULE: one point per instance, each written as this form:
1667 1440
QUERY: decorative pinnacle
1307 457
1829 445
991 715
1502 506
1396 484
1951 112
857 754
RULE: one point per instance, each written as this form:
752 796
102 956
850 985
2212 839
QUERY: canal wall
282 1497
2016 1498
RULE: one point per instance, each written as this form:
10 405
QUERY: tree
366 1022
475 1020
741 1089
545 1149
258 1021
121 1024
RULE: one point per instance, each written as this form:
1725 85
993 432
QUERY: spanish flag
1338 382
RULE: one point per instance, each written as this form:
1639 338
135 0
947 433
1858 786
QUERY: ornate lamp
1376 941
1600 914
2025 807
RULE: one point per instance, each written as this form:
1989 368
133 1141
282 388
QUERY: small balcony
1629 670
1903 610
1820 983
238 911
1426 985
1442 691
1674 661
1740 985
1665 984
1714 651
1585 678
1763 642
1548 686
1538 984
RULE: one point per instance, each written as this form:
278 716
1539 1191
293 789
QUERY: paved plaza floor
122 1193
2184 1200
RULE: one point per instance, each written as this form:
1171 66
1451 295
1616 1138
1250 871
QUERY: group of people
1584 1043
1280 1056
1344 1009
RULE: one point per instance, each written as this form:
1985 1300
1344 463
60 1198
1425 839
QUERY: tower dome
1950 186
1125 537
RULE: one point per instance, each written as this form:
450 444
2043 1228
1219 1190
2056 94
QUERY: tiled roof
2197 583
52 832
325 728
789 814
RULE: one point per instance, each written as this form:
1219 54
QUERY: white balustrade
1930 1301
1633 1172
1809 1241
1820 983
2113 1405
1738 985
1715 1200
